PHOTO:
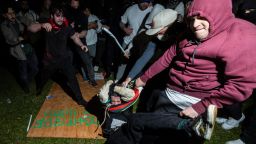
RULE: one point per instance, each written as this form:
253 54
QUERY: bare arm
35 27
128 30
78 42
92 25
82 34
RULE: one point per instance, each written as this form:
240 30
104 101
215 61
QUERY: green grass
15 116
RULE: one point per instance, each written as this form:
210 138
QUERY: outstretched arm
35 27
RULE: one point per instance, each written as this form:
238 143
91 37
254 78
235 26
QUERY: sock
182 124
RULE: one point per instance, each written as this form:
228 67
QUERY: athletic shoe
221 120
238 141
232 123
203 127
104 92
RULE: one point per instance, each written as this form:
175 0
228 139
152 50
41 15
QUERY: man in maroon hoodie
213 64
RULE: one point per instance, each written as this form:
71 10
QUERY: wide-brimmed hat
162 19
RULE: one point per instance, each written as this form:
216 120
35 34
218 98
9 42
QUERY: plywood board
60 116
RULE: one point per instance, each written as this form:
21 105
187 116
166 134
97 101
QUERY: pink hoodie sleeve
162 63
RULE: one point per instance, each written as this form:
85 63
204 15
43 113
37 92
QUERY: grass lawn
15 116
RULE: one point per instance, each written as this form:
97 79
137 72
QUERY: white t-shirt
134 16
91 37
181 100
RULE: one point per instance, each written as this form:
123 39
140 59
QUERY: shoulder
242 30
132 7
240 38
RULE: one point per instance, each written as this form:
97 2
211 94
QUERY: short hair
57 9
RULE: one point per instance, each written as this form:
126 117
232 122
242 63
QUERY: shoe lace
105 114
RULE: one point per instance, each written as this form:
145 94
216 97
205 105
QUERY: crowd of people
193 58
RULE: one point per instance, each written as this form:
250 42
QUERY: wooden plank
60 116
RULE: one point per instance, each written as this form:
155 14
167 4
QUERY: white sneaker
221 120
232 123
204 128
238 141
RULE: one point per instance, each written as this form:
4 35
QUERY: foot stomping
203 127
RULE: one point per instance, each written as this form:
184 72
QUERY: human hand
84 48
92 25
20 38
139 83
47 26
128 30
189 112
126 82
127 53
72 24
105 26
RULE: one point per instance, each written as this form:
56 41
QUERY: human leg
249 131
43 76
88 65
23 75
69 72
33 66
233 116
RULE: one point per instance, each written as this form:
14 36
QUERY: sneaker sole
211 118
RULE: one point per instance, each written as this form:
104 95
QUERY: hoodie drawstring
195 49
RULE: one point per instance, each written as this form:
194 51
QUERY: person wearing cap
209 66
161 22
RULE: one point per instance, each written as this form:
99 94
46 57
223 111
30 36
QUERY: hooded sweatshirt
220 69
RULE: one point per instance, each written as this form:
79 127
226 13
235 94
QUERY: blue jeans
143 60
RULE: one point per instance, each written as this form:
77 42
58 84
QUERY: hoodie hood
217 12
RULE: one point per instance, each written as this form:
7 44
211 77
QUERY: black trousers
234 111
86 61
27 69
65 67
248 134
148 127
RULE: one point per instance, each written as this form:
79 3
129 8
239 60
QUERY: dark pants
248 134
165 117
87 62
64 66
27 69
234 111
